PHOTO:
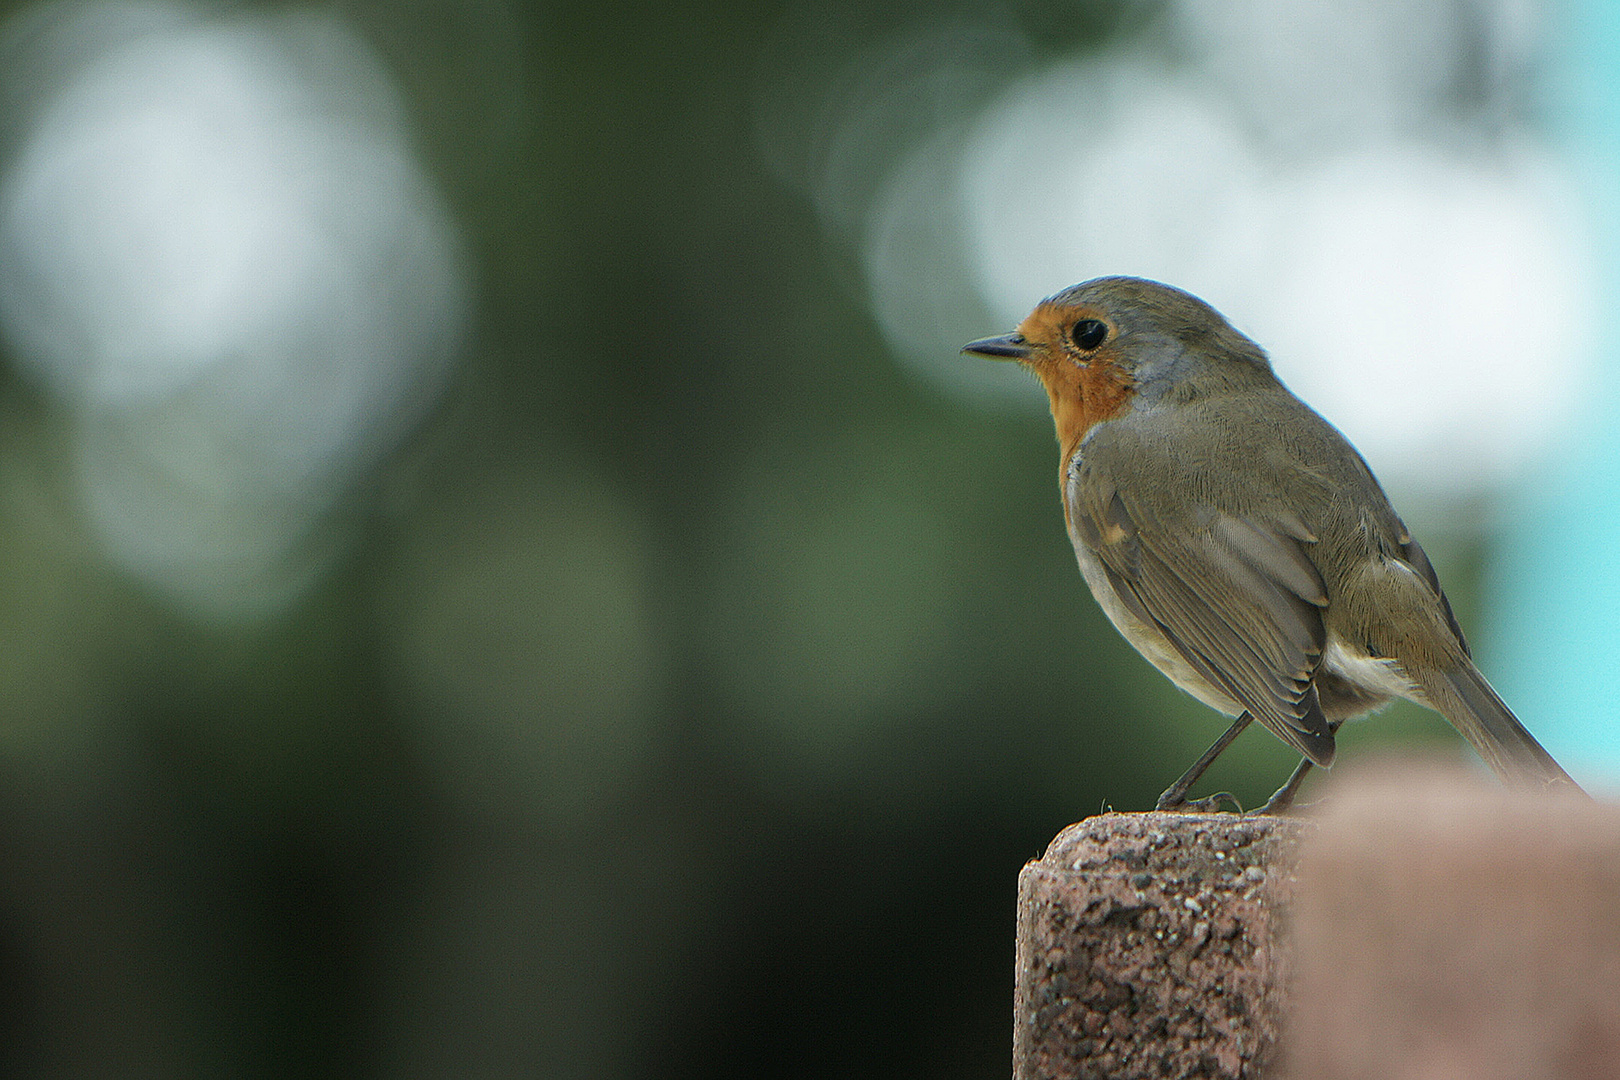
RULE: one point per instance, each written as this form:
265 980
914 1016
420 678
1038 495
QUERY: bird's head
1100 346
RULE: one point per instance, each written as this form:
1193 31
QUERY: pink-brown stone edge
1152 945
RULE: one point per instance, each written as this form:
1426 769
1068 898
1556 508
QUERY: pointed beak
1005 347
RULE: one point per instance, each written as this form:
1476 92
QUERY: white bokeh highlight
1138 172
1397 286
1357 184
1321 77
219 252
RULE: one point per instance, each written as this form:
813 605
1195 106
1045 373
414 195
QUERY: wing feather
1237 596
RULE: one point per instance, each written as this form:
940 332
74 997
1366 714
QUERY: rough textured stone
1149 946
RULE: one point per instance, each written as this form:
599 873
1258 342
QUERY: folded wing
1237 596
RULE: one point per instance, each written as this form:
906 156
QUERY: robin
1237 540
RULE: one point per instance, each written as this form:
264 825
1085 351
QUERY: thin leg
1175 796
1283 798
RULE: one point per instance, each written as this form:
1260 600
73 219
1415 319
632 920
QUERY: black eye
1089 333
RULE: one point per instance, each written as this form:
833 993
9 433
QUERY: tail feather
1490 727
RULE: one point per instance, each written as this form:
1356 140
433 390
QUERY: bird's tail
1474 709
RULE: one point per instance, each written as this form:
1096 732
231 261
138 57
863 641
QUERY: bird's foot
1171 801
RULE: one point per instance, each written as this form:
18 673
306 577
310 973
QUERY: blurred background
506 573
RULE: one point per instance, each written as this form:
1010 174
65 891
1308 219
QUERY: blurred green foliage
693 688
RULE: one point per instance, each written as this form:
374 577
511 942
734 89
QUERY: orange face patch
1084 387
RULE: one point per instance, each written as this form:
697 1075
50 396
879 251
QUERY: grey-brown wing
1236 596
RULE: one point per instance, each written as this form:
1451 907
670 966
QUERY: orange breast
1081 397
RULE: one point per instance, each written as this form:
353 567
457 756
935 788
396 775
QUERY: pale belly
1148 639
